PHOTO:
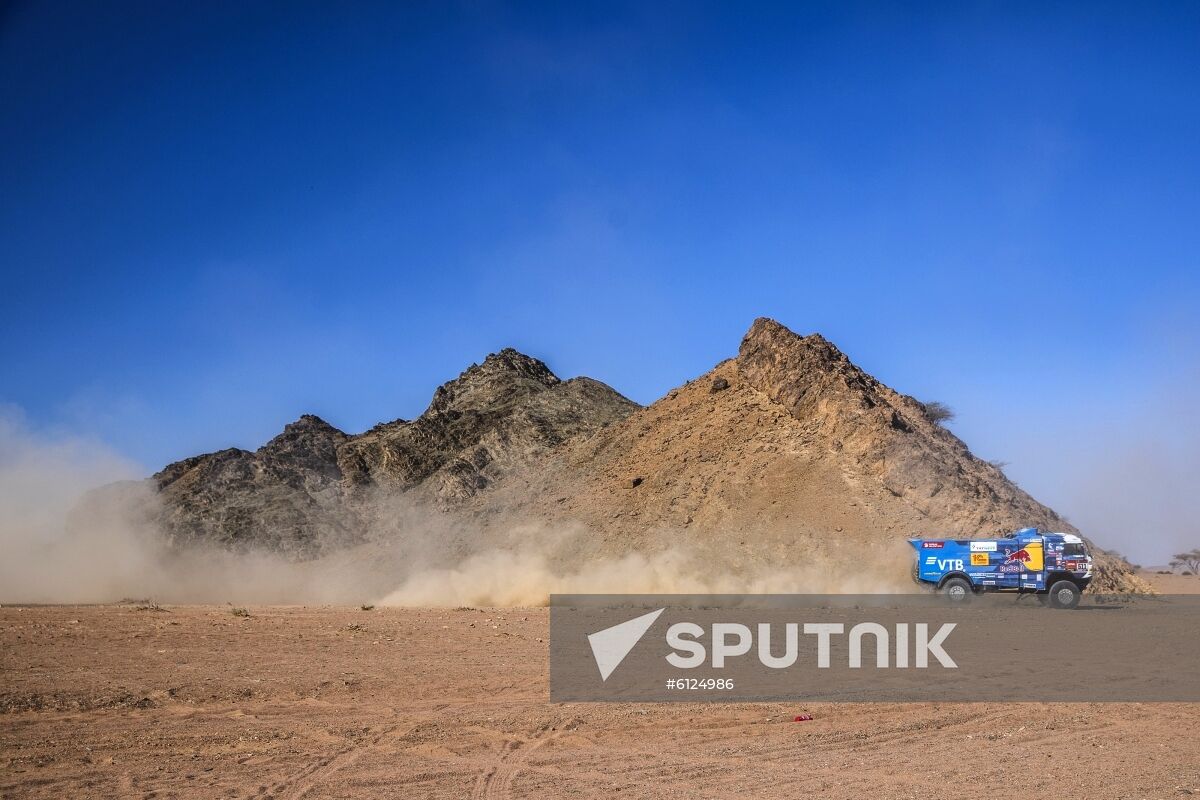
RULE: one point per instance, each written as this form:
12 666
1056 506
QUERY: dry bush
938 412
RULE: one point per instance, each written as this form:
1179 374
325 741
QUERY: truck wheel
1064 594
958 590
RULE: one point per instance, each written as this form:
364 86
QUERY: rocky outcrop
496 416
885 435
892 438
303 492
286 496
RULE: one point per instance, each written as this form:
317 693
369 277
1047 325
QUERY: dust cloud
42 476
525 577
64 543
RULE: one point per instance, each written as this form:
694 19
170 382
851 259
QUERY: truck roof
1023 533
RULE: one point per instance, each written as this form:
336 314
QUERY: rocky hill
305 492
785 455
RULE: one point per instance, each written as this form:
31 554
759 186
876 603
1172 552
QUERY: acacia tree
938 412
1189 560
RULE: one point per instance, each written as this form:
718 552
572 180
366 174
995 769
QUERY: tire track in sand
495 782
301 782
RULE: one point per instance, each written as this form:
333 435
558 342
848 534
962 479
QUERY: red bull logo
1029 557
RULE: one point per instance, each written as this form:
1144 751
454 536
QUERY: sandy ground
107 701
1172 584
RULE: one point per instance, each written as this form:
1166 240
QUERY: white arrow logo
611 645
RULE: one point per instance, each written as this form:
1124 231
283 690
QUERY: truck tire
1064 594
958 590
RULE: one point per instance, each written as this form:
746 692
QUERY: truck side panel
988 564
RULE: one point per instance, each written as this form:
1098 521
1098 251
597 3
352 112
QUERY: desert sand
288 702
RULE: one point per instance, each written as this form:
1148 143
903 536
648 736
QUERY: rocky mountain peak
311 423
508 374
304 433
304 491
766 332
884 435
808 374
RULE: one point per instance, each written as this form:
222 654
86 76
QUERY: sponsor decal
983 547
979 559
933 545
1030 556
1010 567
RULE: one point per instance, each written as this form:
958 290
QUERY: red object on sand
802 718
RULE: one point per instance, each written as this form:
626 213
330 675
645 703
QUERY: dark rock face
495 416
301 493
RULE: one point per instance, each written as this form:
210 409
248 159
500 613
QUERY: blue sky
217 216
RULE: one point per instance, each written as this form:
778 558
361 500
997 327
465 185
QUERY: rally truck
1056 567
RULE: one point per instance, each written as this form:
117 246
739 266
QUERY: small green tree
1190 561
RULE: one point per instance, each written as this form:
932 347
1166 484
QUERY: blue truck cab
1055 566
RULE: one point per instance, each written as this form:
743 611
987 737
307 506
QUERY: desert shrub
1189 561
938 412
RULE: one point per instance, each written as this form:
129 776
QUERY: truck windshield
1074 550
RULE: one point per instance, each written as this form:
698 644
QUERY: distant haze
1124 467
